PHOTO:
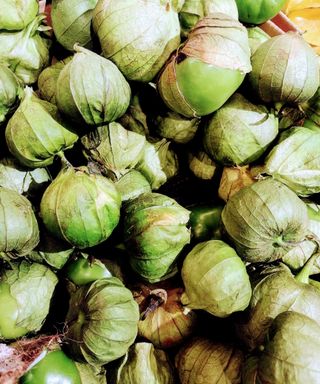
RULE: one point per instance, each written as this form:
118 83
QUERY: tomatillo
55 367
258 11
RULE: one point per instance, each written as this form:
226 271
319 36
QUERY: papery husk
233 179
312 110
115 148
47 80
215 279
163 320
158 163
51 251
17 15
71 22
155 232
143 364
25 52
216 48
102 322
175 127
138 49
201 165
257 36
239 132
209 362
290 353
132 184
285 69
91 89
10 92
192 11
265 220
31 287
275 293
295 161
87 211
299 255
35 134
19 233
26 181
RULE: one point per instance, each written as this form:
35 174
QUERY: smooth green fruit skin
55 368
206 87
82 272
258 11
205 222
9 314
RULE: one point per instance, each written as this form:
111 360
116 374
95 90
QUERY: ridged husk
10 92
19 232
92 89
138 49
80 207
35 134
143 364
285 69
265 220
71 22
102 321
295 161
204 361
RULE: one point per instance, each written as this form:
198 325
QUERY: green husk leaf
102 321
132 184
215 279
295 161
71 22
91 89
25 52
34 134
31 286
17 15
138 49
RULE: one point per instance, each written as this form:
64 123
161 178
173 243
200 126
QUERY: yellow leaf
308 21
294 5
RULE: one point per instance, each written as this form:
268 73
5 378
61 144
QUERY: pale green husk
80 207
25 52
34 134
265 220
256 36
91 374
285 69
158 163
115 148
275 293
144 364
47 80
201 165
102 321
10 92
71 22
31 285
295 161
239 132
155 232
139 49
194 10
215 279
17 15
19 232
91 89
290 354
23 180
206 361
132 184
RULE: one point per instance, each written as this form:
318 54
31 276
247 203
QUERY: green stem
303 275
64 161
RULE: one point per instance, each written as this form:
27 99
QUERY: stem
156 298
64 161
303 275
